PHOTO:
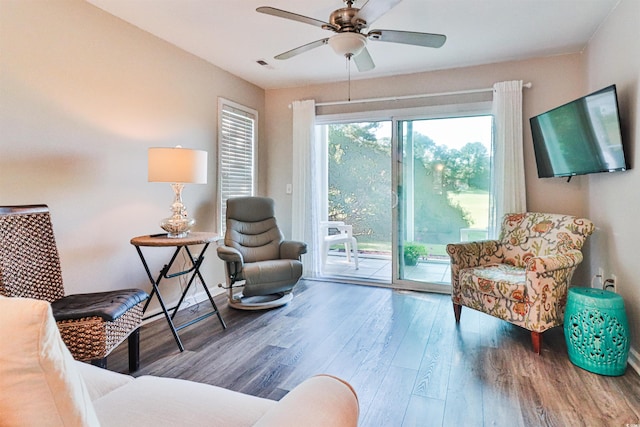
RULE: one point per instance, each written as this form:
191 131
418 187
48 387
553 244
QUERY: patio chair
343 235
524 276
91 324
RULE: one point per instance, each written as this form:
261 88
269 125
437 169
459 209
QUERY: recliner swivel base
260 302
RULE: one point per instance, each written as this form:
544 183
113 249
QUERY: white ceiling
233 36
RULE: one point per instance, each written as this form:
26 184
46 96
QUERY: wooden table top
193 238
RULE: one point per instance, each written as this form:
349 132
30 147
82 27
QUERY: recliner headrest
250 209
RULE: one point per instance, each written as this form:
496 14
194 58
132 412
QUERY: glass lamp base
177 227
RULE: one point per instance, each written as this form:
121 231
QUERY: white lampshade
177 165
348 43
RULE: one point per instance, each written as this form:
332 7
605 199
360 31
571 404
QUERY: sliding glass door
403 188
442 170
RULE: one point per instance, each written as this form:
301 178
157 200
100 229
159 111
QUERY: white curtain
305 210
508 186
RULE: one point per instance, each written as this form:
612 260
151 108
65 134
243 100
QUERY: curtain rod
398 98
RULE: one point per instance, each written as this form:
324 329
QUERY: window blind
237 152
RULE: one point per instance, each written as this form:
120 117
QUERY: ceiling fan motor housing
344 20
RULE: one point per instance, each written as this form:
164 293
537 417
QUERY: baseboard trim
634 360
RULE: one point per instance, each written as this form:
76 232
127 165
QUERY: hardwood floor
403 353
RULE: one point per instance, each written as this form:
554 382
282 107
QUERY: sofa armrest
550 263
290 249
229 254
320 401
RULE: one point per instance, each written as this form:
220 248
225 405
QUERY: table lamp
177 166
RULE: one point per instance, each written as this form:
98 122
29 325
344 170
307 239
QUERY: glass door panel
442 171
359 183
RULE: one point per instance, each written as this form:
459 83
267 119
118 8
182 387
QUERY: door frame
396 116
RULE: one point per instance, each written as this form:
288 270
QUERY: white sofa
41 385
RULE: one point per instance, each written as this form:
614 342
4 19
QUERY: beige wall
614 199
84 95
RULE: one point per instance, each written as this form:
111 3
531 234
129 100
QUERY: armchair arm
550 263
473 254
229 254
319 401
291 249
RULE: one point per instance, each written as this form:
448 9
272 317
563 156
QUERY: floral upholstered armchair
524 276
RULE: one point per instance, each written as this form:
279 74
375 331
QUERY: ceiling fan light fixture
348 44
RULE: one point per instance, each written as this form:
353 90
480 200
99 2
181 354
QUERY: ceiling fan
349 23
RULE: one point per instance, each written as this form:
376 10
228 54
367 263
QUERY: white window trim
225 105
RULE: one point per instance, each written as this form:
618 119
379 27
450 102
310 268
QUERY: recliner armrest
291 249
548 263
229 254
473 254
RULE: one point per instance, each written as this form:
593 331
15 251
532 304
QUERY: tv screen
580 137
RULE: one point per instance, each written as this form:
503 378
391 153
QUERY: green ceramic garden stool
597 331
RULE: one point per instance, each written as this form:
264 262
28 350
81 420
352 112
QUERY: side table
161 240
596 331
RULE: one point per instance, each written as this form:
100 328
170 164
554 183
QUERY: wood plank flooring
403 353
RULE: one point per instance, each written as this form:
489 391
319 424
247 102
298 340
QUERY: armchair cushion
101 382
155 401
497 280
40 386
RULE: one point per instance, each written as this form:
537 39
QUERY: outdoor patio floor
378 268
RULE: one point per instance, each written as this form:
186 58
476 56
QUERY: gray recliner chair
257 258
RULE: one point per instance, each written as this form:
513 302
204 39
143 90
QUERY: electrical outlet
610 284
599 284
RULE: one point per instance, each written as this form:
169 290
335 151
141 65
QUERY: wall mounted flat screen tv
580 137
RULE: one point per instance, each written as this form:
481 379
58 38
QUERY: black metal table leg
194 270
156 291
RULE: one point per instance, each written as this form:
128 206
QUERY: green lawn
474 202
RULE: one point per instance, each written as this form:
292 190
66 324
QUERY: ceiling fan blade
374 9
289 15
363 61
408 37
301 49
